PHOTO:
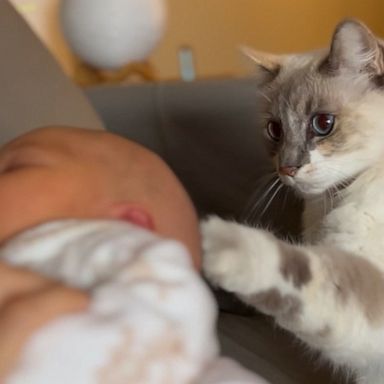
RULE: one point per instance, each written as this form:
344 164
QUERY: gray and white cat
326 125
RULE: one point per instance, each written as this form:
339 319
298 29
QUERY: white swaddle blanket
151 319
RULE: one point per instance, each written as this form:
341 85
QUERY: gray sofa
207 132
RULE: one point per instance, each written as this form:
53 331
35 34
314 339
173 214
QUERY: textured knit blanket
151 319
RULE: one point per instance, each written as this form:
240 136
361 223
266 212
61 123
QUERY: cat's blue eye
322 124
274 130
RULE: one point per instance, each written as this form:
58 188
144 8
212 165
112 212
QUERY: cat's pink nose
288 171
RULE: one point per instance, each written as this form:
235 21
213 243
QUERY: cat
325 127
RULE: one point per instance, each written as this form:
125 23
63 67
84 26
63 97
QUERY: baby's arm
27 302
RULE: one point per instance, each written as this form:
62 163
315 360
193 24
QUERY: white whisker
253 210
255 198
271 200
263 95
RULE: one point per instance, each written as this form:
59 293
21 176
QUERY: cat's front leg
330 298
248 262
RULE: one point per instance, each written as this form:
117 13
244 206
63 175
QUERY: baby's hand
27 302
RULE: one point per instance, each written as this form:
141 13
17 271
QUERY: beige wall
215 28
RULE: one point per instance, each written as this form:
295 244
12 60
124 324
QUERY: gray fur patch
271 302
355 278
314 338
324 333
294 265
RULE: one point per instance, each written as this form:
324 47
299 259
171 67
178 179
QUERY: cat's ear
354 48
268 63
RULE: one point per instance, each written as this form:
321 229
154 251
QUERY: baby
105 216
59 173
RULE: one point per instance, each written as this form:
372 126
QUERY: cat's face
324 112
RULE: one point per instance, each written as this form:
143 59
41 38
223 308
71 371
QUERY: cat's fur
329 290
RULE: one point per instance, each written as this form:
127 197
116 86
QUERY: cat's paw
235 257
220 253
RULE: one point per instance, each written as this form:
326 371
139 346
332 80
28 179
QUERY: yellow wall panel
215 28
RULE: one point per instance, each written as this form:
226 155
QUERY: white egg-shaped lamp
109 34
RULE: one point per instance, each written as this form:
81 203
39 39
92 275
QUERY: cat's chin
308 192
308 188
304 190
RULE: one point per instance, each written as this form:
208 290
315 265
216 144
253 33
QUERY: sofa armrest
33 89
